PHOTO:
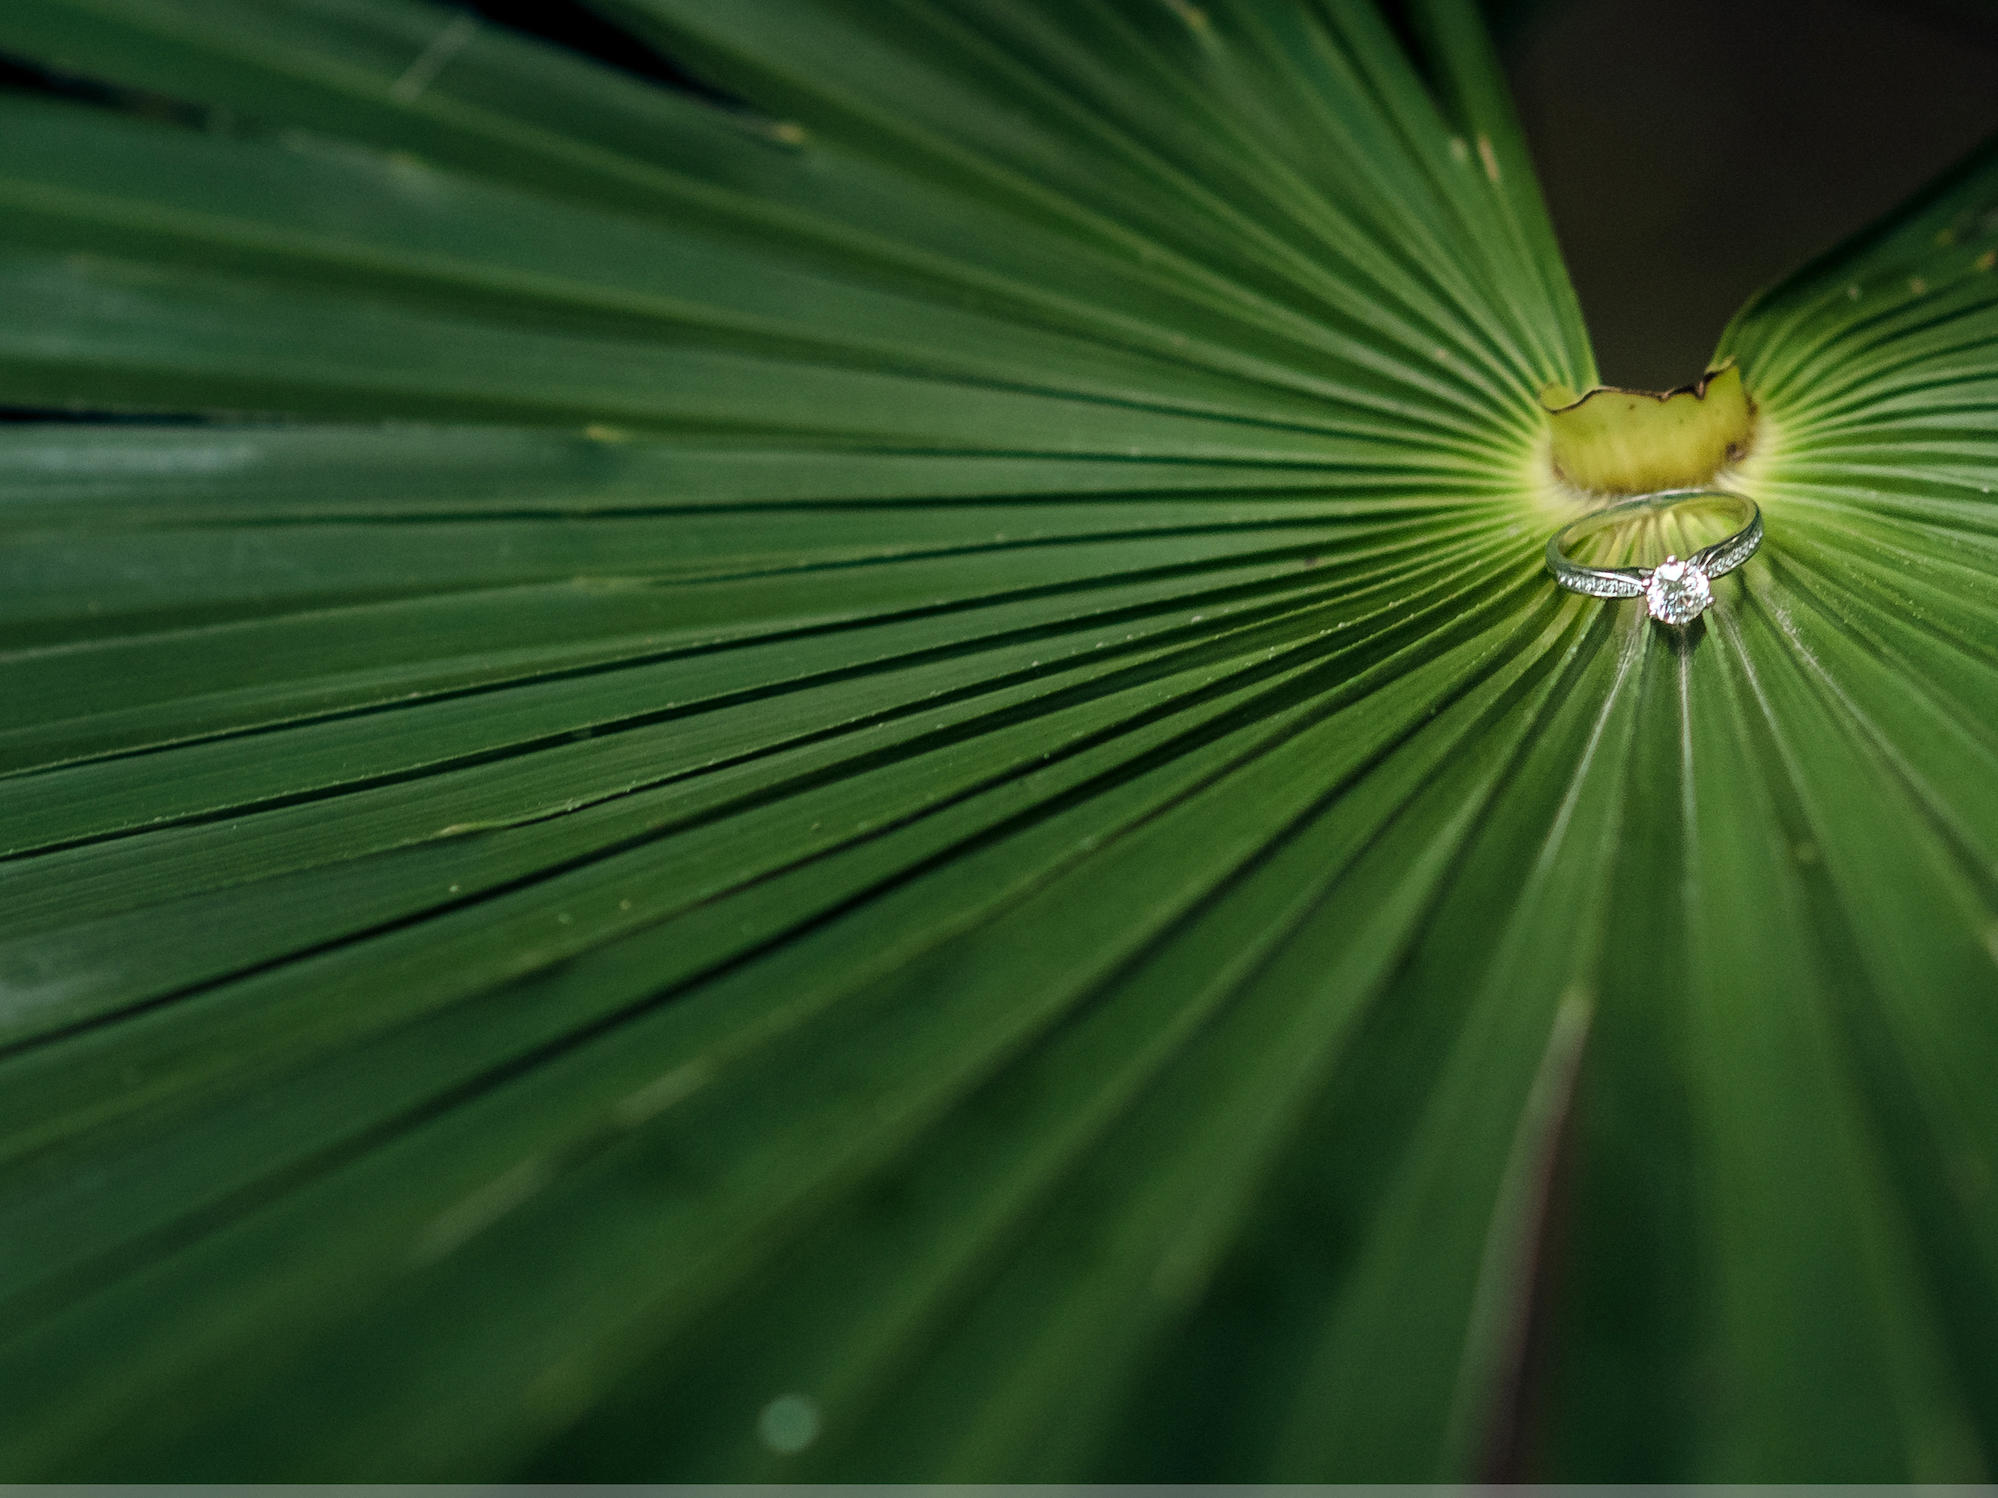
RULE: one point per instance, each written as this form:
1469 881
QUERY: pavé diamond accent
1677 592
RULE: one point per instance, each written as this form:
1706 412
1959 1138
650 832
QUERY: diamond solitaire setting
1677 592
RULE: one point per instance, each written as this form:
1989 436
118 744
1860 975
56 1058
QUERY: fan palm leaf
874 778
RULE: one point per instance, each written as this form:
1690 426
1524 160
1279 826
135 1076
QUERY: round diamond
1678 592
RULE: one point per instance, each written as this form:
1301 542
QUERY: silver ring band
1675 591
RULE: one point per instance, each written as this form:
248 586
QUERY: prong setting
1677 592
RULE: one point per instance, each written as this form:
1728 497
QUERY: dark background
1692 151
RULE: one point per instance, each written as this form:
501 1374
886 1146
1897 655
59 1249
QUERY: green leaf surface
879 783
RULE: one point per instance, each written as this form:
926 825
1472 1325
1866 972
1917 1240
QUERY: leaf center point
1614 441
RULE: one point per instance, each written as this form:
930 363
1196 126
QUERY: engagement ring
1675 591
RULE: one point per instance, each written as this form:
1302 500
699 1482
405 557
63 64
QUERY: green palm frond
880 783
